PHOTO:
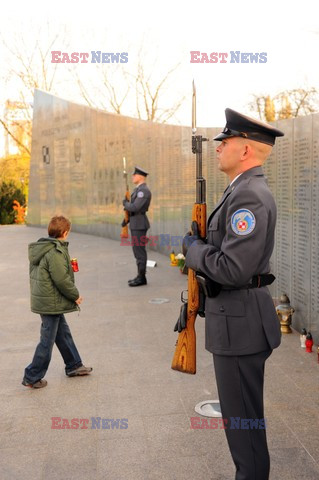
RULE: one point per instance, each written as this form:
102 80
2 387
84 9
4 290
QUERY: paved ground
129 342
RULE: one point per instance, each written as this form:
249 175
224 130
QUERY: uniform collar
138 186
252 172
234 179
255 171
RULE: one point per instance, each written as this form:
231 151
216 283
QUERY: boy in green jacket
53 293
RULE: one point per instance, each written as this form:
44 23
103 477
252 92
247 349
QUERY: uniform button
222 308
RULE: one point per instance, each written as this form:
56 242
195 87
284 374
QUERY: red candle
75 265
309 343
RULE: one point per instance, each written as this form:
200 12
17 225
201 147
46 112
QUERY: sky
168 31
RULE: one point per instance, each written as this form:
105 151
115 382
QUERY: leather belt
257 281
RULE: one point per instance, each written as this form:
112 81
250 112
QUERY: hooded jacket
52 285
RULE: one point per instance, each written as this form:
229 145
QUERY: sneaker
79 371
38 384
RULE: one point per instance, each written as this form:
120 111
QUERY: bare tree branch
150 95
17 141
288 103
116 101
84 92
32 66
118 86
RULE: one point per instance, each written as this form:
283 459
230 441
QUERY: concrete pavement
130 342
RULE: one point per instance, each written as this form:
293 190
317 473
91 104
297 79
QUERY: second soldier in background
139 224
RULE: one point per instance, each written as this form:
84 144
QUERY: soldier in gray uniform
242 327
139 224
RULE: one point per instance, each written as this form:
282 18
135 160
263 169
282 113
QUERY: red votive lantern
75 265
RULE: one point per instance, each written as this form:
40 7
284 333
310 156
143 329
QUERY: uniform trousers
139 241
240 381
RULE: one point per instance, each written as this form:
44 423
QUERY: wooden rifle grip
184 359
124 231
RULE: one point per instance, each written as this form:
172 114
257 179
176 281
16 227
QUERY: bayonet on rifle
194 110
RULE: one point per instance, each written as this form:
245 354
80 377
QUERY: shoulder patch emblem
243 222
140 194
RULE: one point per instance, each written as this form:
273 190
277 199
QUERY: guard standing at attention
139 224
242 326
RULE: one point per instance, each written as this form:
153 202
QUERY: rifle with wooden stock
184 359
124 231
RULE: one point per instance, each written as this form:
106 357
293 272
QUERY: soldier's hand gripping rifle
184 358
124 231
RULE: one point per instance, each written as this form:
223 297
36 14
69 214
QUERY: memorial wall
77 170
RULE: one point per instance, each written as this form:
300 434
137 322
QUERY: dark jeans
54 329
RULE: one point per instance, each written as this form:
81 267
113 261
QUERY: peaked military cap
239 125
139 171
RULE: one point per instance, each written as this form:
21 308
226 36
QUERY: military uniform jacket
240 241
138 206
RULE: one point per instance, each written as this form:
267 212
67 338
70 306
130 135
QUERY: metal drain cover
158 301
209 408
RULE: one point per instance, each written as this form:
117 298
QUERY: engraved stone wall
77 170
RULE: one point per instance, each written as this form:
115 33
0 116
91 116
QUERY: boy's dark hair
58 225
